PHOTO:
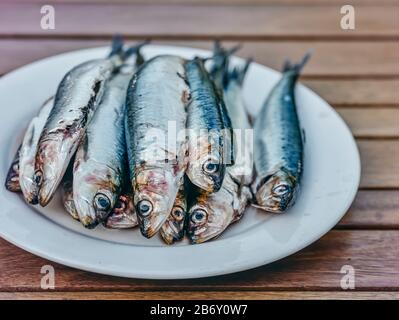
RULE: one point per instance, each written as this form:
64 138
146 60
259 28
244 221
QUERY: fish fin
296 67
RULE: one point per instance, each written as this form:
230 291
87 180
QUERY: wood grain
373 254
165 21
373 209
329 59
380 163
222 2
198 295
357 92
372 122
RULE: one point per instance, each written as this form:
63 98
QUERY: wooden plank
198 295
372 122
373 254
222 2
163 21
380 163
357 92
373 209
330 59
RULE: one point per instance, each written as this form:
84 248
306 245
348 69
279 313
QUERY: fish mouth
89 222
202 234
121 221
46 194
149 226
272 203
87 215
29 191
171 233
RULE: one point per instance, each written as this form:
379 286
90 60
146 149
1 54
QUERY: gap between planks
195 295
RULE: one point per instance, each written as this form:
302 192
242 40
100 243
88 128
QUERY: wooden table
356 71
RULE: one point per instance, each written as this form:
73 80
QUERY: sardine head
208 218
50 166
154 191
276 192
173 228
205 168
123 214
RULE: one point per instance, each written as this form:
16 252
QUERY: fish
279 147
12 179
156 104
101 161
211 214
209 130
123 215
174 227
67 193
76 100
232 86
27 153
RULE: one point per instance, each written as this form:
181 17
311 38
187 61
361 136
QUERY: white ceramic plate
330 181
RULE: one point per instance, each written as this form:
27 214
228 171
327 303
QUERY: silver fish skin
12 179
28 151
67 194
174 227
233 79
157 98
100 161
212 213
76 100
123 215
209 130
279 148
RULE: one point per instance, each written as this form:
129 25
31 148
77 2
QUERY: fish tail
135 50
237 73
296 67
117 45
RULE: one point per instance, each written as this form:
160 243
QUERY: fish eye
210 166
102 202
178 213
144 208
38 177
281 189
199 216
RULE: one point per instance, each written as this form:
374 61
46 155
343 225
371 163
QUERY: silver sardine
209 130
212 213
155 122
28 151
174 227
278 141
76 100
100 162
